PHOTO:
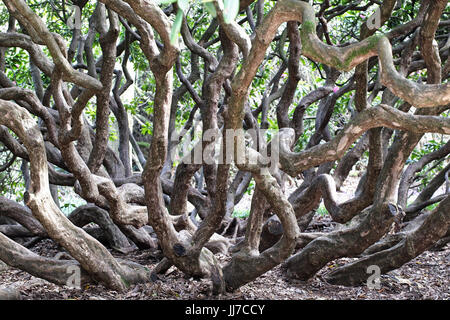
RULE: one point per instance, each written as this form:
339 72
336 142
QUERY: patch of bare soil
426 277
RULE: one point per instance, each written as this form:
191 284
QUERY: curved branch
433 228
234 31
150 12
408 175
380 116
93 257
13 39
247 266
83 215
32 19
22 215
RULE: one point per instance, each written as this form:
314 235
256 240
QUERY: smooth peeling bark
434 227
107 41
294 75
216 177
432 59
390 175
346 58
247 266
361 71
93 188
321 188
86 214
22 215
140 237
153 14
176 246
367 186
37 56
347 162
429 190
255 221
234 272
93 257
124 131
418 95
236 191
371 224
412 169
157 212
52 270
428 46
209 109
196 259
367 228
183 177
380 116
42 35
211 223
343 58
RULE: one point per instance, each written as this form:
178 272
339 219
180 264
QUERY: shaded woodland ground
425 277
190 150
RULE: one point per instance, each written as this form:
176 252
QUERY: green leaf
166 1
176 27
209 6
183 5
231 10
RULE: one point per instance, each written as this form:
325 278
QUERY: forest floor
425 277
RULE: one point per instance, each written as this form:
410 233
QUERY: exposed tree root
413 243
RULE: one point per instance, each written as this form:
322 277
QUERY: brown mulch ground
426 277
